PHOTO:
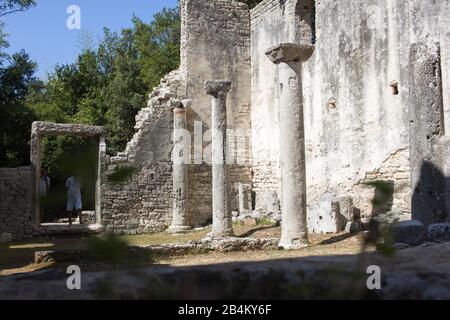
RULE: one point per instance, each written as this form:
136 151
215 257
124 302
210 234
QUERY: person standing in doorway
74 186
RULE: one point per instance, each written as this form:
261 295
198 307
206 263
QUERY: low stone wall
166 250
15 202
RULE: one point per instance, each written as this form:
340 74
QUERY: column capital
213 87
290 52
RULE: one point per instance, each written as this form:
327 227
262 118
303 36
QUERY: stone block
353 227
6 237
439 232
250 221
272 202
325 216
410 232
245 198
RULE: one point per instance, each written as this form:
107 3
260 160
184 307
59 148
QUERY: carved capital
213 87
290 52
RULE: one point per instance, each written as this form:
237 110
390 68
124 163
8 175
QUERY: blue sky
42 30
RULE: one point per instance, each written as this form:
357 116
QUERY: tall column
427 153
294 233
222 219
180 219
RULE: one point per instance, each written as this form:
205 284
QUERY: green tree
125 93
158 44
109 85
15 119
12 6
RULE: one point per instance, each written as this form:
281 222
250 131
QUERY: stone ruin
299 111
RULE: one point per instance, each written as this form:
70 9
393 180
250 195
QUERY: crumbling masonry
324 101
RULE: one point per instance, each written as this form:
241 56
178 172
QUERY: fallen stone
410 232
427 244
401 246
250 221
325 216
6 237
439 232
353 227
232 244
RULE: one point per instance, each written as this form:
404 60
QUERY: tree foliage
12 6
107 85
9 7
16 79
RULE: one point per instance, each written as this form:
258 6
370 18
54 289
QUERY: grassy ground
18 257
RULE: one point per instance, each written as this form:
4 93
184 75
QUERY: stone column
427 155
292 143
222 219
180 220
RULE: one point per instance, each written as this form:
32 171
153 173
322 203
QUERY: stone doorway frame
41 129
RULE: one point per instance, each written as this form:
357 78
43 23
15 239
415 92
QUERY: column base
226 234
294 244
179 229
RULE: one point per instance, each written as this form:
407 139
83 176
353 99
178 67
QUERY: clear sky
43 33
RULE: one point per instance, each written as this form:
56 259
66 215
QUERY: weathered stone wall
356 129
141 200
269 26
215 45
15 202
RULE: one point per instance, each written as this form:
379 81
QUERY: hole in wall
305 21
332 103
394 87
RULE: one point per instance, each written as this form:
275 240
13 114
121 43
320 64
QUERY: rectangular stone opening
305 21
50 210
394 87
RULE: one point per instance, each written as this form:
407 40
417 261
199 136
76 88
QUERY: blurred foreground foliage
107 247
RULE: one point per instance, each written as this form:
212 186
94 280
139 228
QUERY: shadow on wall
429 201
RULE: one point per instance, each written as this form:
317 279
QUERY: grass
18 257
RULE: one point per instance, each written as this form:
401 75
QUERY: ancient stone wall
137 183
15 204
215 45
269 26
356 124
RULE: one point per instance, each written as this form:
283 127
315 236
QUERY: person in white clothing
74 186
